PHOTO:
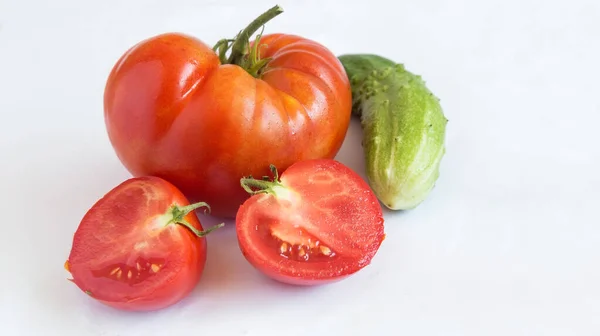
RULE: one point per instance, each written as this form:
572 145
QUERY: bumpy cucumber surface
404 129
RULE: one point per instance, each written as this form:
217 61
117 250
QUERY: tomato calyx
241 53
265 185
178 213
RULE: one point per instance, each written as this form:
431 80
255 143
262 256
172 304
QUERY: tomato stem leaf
189 208
240 53
197 232
178 217
274 172
221 48
265 185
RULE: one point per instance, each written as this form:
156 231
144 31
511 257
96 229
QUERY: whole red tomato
177 109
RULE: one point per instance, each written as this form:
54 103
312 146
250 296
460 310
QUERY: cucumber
404 129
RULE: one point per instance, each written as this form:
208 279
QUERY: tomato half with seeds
319 223
141 247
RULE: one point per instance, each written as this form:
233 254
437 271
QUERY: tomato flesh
126 255
322 224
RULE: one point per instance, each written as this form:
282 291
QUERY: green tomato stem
240 46
241 54
197 232
266 185
221 48
178 217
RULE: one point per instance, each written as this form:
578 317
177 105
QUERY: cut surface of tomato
320 222
130 251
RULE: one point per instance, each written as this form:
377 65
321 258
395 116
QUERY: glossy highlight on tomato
140 247
318 223
176 109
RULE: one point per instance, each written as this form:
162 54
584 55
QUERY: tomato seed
325 250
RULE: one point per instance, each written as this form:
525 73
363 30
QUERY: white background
507 244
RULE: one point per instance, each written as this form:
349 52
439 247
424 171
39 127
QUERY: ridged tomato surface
173 110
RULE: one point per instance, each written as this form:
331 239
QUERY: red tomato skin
182 270
173 111
367 211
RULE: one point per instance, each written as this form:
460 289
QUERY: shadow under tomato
226 269
228 277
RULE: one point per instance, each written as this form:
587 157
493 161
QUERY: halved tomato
320 222
140 247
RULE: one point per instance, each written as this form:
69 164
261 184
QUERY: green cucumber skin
404 129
